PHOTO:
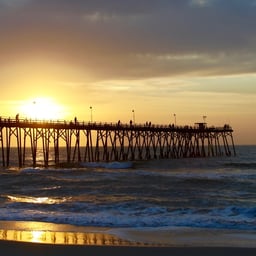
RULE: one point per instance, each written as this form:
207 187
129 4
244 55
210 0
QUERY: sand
17 248
39 238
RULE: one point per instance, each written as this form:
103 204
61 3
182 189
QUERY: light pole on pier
204 118
133 116
174 119
34 110
91 113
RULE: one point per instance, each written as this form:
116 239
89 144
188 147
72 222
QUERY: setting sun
42 109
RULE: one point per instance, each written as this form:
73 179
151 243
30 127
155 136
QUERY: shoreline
40 239
64 234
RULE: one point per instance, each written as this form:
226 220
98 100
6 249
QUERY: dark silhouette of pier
92 142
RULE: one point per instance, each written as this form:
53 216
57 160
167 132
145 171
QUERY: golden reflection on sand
37 236
63 234
57 237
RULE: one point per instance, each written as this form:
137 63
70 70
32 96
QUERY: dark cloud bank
133 39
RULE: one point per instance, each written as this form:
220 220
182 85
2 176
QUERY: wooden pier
92 142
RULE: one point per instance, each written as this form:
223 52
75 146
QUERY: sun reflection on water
36 200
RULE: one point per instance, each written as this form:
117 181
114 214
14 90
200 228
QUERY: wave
81 165
241 165
108 165
31 169
230 217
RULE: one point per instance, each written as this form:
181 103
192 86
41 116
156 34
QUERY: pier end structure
92 142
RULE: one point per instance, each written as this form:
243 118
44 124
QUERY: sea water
213 193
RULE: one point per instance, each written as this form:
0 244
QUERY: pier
93 142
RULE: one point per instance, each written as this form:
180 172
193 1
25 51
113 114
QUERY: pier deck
90 142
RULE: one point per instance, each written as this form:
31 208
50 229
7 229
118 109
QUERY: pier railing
100 141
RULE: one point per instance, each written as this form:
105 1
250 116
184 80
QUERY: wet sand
18 248
39 238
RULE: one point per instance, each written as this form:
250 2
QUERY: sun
42 108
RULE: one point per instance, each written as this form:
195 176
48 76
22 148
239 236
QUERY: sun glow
37 236
42 109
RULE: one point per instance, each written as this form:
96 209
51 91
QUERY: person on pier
17 118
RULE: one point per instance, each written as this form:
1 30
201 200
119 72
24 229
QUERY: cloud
146 88
13 3
202 3
136 39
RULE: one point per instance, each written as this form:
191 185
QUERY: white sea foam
153 217
31 169
108 165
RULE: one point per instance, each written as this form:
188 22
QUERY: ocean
213 193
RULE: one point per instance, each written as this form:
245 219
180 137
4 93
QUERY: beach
15 248
39 238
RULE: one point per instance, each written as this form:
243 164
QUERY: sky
111 60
